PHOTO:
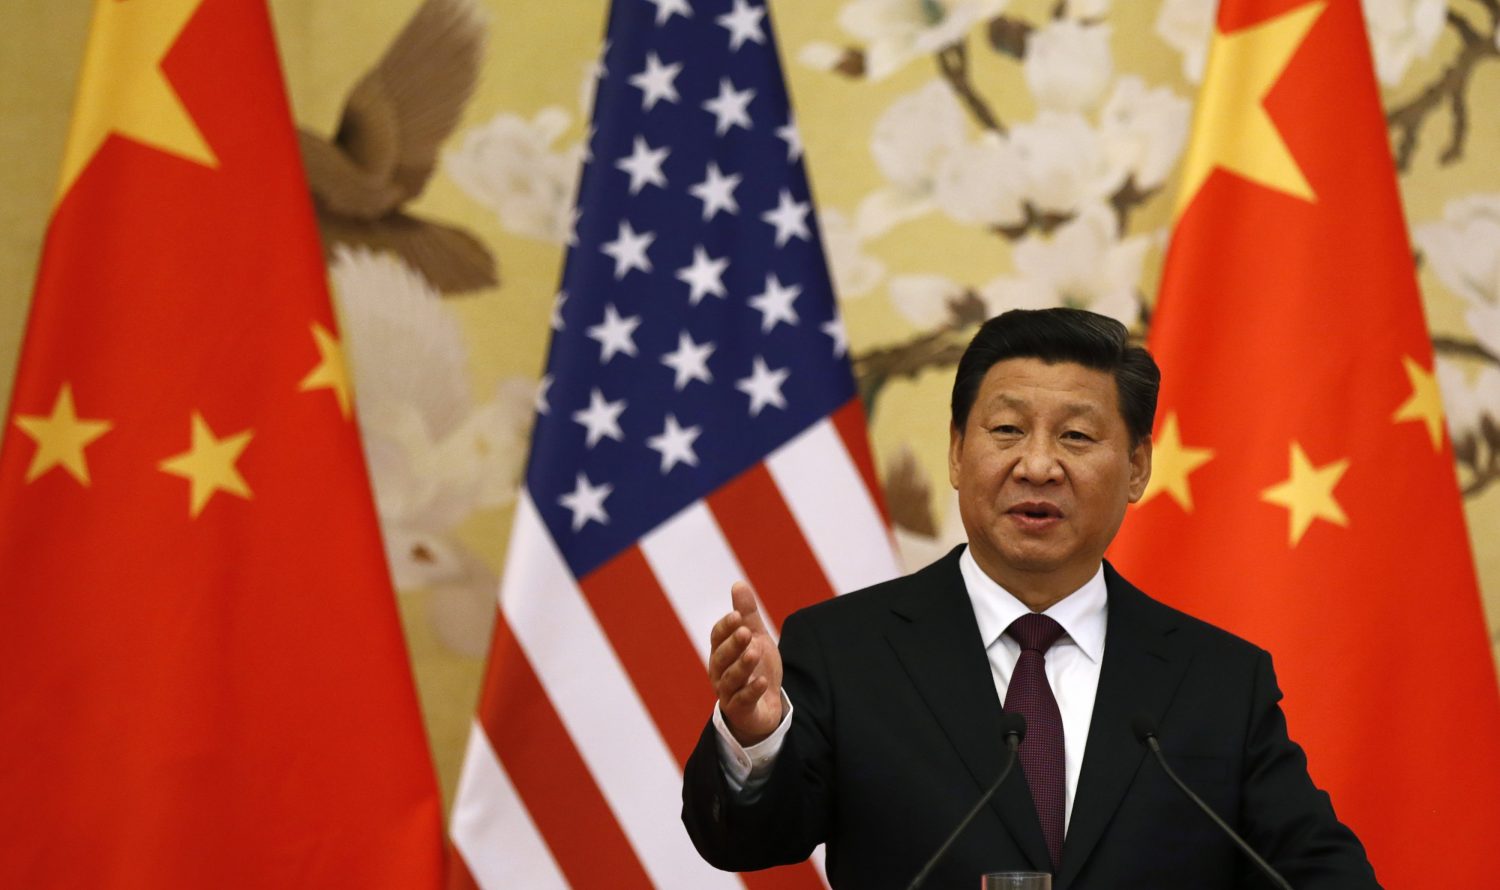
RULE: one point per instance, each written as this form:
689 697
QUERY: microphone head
1142 726
1012 724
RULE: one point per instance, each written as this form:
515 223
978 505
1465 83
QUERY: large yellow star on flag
1425 403
1171 463
61 438
122 89
1231 128
208 465
331 372
1308 493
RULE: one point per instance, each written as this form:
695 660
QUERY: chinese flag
1303 492
204 679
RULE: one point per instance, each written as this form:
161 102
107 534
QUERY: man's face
1044 470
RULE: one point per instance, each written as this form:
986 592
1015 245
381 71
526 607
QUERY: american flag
697 424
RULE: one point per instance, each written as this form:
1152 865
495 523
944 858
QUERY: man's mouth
1035 511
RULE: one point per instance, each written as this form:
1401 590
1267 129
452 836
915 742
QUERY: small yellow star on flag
208 465
1425 403
1172 463
61 438
331 372
123 90
1308 493
1232 129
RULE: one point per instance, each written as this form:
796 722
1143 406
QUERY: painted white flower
590 73
1064 162
1144 130
426 488
515 168
1484 324
855 272
455 586
913 134
820 55
1068 65
1464 251
908 142
434 456
387 308
1083 264
414 503
923 300
982 182
488 450
1464 248
1188 26
1465 402
885 208
421 558
1086 10
1402 32
894 32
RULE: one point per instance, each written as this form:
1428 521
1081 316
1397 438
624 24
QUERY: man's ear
1140 468
955 452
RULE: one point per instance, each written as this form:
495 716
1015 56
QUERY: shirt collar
1081 613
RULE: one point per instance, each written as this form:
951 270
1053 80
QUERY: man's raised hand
745 669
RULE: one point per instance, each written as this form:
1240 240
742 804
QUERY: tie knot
1035 631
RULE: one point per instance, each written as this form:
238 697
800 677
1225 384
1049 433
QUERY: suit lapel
937 641
1140 673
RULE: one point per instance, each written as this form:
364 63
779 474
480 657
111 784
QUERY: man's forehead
1030 382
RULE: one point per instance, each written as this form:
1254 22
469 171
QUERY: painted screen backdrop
963 156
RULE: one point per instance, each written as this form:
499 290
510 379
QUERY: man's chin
1029 560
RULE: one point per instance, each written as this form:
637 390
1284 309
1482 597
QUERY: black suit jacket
896 733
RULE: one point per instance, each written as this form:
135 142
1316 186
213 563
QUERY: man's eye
1077 436
1006 429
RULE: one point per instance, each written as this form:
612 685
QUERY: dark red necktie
1042 751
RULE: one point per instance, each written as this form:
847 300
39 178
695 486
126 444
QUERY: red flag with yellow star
204 678
1303 492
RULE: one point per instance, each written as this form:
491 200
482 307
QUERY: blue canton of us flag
696 329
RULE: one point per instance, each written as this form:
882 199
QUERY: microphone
1013 730
1145 732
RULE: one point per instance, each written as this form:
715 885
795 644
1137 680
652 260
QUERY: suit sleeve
790 815
1287 818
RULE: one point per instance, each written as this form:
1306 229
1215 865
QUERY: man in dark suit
877 723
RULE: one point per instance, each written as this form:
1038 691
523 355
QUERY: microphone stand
1146 731
1015 730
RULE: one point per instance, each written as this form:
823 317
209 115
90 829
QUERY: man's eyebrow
1083 408
1070 409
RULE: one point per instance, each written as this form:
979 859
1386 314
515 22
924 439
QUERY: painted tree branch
1481 481
1479 451
1451 88
936 349
1463 349
1126 198
953 64
1008 35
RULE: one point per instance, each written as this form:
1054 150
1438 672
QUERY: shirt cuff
747 769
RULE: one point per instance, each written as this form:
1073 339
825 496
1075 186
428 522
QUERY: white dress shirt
1072 671
1072 662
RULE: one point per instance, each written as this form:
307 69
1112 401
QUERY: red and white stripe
596 689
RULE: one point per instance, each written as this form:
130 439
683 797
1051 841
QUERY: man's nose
1039 461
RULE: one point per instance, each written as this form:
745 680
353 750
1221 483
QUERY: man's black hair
1062 335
